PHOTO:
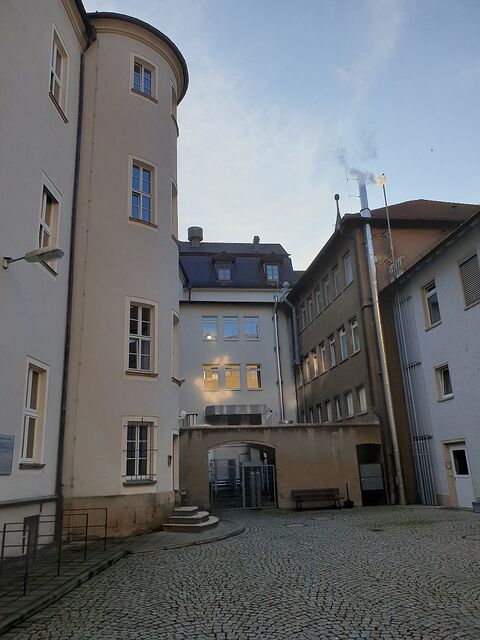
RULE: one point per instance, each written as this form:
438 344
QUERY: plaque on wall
6 454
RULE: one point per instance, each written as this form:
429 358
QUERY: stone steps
190 519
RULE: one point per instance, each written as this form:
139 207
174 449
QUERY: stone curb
52 596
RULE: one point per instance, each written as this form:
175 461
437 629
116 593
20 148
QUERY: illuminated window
232 376
254 376
210 377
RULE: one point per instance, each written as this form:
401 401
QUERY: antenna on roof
339 217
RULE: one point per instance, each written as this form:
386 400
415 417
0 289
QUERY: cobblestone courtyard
383 572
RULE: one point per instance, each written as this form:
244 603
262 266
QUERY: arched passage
242 475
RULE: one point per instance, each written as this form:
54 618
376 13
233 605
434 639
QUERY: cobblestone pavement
383 572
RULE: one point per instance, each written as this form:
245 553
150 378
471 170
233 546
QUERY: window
347 268
431 304
310 415
58 73
315 362
349 402
174 212
318 300
323 357
251 328
362 399
34 414
142 193
224 271
140 338
48 230
142 78
272 272
336 280
139 452
210 377
319 412
444 382
355 338
209 327
327 296
232 376
333 356
470 275
328 410
338 408
303 317
307 372
310 308
342 338
230 328
254 376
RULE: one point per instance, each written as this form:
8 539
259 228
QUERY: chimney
195 236
256 240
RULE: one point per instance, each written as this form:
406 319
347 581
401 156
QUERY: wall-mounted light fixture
47 254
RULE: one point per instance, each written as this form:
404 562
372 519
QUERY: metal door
461 475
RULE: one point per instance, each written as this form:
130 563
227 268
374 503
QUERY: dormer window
272 272
224 271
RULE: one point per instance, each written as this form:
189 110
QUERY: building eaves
98 15
235 248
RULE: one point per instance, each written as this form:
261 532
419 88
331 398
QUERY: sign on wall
6 454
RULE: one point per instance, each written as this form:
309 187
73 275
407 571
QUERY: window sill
259 389
333 366
58 107
209 339
252 339
31 465
144 95
354 353
362 413
445 398
343 360
231 339
138 483
152 225
432 326
141 374
348 285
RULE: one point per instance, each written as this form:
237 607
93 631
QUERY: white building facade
437 314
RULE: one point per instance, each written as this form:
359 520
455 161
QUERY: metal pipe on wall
372 270
277 357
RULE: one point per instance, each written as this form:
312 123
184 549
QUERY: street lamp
46 254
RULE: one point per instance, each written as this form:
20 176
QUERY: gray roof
247 268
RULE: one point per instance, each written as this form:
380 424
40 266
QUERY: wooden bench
300 495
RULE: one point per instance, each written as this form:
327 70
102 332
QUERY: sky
286 98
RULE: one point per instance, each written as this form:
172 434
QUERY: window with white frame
310 308
140 338
232 376
143 78
338 408
470 275
362 399
224 271
333 355
323 357
254 376
354 335
272 272
303 317
209 328
327 295
319 412
318 300
349 403
310 415
58 72
432 308
315 362
211 380
251 328
34 414
142 193
48 230
230 328
336 280
307 372
444 382
347 268
342 339
328 410
139 452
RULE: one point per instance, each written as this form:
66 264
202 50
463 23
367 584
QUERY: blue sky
277 87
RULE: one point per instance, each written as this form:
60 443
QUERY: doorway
461 475
370 470
242 476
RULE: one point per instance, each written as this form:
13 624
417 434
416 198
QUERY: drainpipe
296 351
277 357
372 270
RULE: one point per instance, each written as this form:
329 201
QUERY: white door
461 475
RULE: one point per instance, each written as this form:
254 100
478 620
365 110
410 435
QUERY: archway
242 476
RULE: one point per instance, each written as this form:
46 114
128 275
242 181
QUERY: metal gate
237 486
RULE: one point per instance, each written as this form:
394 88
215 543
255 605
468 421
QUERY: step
193 528
185 511
201 516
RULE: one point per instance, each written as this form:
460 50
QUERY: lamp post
46 254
